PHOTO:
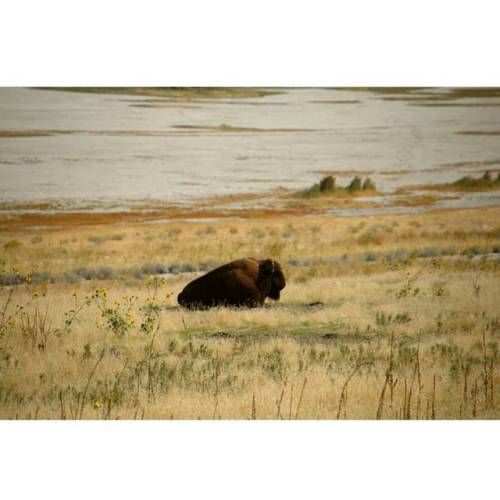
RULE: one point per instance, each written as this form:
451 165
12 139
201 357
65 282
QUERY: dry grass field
391 317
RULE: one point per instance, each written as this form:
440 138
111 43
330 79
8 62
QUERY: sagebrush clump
328 186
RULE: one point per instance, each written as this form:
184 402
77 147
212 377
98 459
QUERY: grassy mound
328 187
485 183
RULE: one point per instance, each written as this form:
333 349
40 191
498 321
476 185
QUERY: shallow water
395 142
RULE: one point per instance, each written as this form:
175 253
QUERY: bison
241 283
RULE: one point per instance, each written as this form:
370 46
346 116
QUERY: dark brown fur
241 283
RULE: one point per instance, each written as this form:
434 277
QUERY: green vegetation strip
186 93
328 187
485 183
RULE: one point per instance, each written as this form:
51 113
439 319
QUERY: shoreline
278 203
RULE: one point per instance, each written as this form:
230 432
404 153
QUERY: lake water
121 149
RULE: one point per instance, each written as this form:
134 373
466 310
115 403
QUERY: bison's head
271 279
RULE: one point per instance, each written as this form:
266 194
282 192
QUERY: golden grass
323 351
120 244
214 364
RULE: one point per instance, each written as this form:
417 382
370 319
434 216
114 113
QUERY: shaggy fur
241 283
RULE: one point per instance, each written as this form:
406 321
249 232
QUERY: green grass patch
301 331
486 182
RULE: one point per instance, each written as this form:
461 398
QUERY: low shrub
154 268
99 240
371 238
484 182
369 256
428 252
12 245
355 185
9 279
174 232
41 277
328 186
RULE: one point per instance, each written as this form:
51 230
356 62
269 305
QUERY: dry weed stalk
84 396
113 392
63 409
150 386
343 393
280 400
485 371
216 391
476 285
35 328
487 376
403 409
492 399
389 380
419 381
464 396
74 406
408 402
433 414
474 399
300 398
